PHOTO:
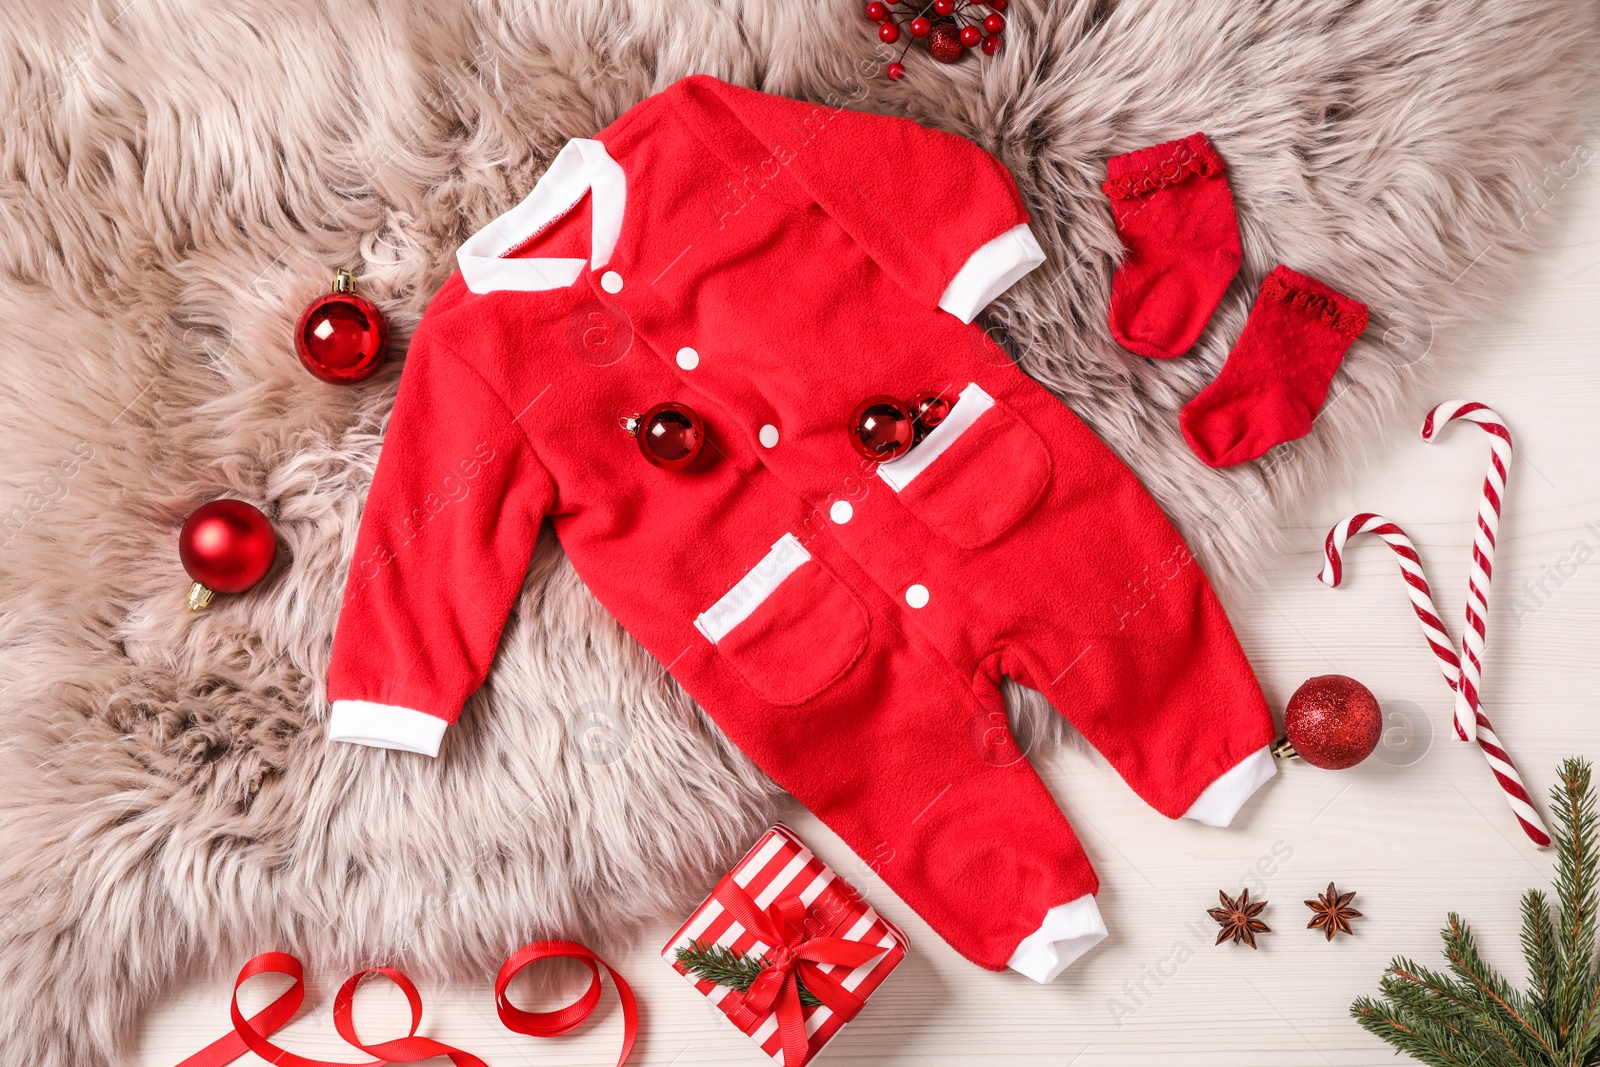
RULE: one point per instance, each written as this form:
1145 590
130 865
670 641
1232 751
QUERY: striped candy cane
1416 580
1468 701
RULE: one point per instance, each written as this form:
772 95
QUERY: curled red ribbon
563 1020
252 1034
791 956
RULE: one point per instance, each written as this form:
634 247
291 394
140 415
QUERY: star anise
1331 912
1238 919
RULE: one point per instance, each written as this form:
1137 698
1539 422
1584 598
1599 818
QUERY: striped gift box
778 864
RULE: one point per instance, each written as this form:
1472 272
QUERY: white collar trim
582 166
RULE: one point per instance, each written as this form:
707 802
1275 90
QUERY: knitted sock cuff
1140 173
1342 315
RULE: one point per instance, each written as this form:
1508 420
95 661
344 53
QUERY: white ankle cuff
1224 797
1068 931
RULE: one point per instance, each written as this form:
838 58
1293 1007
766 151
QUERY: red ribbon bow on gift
791 956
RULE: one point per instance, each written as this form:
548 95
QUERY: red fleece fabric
784 243
1278 373
1174 213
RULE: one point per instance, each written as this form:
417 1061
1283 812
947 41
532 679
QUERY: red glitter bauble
944 42
340 336
881 428
670 435
1333 722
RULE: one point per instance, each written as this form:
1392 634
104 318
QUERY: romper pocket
976 475
788 628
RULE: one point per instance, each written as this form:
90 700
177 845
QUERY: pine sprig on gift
723 966
1471 1016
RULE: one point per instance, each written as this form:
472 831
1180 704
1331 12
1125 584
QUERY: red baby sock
1278 373
1174 212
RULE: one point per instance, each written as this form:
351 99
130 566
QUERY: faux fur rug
178 178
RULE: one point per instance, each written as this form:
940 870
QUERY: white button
841 511
611 282
688 358
768 435
917 596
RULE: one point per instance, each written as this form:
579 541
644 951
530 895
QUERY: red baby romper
770 263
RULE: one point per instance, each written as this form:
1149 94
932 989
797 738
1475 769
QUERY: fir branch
1581 1047
1473 1016
1425 991
1543 956
723 966
1576 891
1504 1012
1432 1042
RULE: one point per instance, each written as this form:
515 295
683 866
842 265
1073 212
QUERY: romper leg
1123 634
903 760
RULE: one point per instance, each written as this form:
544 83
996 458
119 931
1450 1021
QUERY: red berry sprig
949 28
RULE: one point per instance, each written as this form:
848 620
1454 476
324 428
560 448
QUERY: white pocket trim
737 604
972 403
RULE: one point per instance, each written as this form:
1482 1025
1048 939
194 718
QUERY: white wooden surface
1416 831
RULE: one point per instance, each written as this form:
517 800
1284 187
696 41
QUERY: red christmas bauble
944 7
670 435
970 36
227 546
1333 722
895 71
991 44
888 33
881 428
920 26
997 5
994 23
877 11
340 336
944 42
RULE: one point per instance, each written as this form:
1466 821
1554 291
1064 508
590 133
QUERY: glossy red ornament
877 11
944 7
997 5
895 71
227 546
944 42
994 23
340 336
991 44
881 428
888 33
670 435
920 26
927 411
1333 722
970 36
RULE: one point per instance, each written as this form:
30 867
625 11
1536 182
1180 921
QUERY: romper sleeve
444 545
933 210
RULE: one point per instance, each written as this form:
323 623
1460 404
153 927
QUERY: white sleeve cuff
1224 797
1068 931
361 722
990 271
